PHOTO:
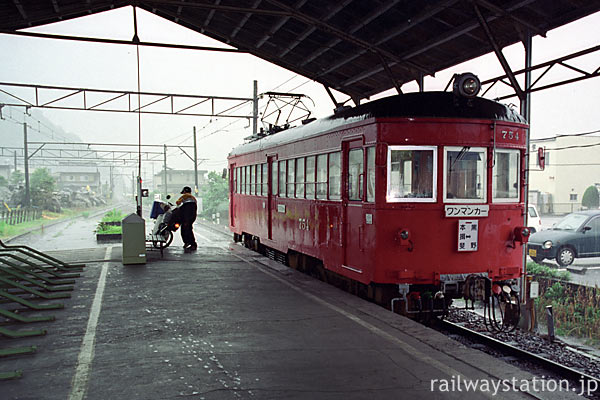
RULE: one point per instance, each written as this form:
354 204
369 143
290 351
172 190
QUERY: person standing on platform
188 210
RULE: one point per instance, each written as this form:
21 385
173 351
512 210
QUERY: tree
42 185
216 196
591 198
3 181
17 178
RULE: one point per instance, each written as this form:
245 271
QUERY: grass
544 271
108 229
575 308
113 215
7 231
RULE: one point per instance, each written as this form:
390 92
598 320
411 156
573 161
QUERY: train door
352 213
272 188
232 191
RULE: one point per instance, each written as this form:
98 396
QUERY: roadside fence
20 215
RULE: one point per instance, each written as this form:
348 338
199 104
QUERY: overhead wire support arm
107 101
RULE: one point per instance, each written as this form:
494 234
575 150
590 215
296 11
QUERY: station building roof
357 47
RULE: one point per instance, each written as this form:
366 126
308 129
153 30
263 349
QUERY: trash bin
134 239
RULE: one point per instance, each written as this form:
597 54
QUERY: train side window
290 177
300 177
310 177
247 188
258 179
243 180
505 176
335 173
265 174
322 176
465 177
282 176
252 178
371 174
412 174
274 178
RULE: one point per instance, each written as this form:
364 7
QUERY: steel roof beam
499 10
499 55
210 16
245 19
446 37
56 8
278 25
423 16
117 41
216 7
343 35
356 27
21 10
311 29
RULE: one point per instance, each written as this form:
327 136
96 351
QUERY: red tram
418 197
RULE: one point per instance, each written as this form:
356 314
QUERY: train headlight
547 244
466 85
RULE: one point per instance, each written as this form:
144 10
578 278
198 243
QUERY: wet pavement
226 323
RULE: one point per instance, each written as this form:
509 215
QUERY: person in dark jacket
188 210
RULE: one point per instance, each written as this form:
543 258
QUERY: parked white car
534 222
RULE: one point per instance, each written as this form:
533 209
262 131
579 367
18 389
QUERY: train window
371 173
236 174
322 176
274 178
355 174
310 177
243 180
505 176
411 174
335 173
252 178
282 176
247 189
265 174
258 180
290 177
300 177
465 177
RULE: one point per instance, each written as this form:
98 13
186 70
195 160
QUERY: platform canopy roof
358 47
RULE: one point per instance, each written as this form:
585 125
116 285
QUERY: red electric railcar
413 194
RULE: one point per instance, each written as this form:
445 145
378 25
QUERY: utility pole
111 187
255 110
26 162
165 171
195 164
15 160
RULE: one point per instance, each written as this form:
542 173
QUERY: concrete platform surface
225 323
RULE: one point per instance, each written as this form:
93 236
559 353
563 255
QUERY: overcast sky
567 109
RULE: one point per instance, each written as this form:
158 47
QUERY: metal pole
165 171
255 110
15 160
196 163
26 165
526 112
550 321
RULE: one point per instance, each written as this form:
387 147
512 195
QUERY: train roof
410 105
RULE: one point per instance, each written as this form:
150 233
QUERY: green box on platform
134 239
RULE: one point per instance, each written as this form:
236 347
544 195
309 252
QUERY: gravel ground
556 351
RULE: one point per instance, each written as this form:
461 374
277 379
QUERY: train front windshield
413 173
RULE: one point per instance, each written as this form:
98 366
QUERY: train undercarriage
497 301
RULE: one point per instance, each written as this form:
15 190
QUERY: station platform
226 323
